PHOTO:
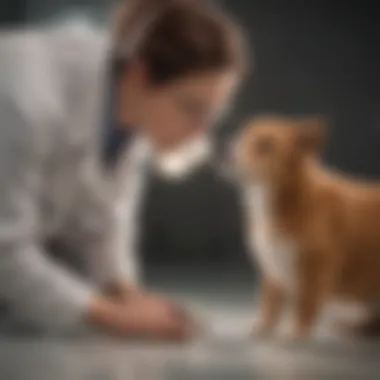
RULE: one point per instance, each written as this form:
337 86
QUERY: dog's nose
229 160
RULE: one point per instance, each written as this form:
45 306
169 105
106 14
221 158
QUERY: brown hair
178 37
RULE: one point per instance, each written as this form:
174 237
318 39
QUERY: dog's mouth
233 169
242 178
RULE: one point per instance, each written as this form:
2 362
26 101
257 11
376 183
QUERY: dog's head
271 149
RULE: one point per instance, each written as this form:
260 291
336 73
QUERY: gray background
314 57
309 57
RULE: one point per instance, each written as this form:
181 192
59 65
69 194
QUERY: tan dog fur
315 233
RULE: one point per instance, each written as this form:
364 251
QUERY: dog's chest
274 253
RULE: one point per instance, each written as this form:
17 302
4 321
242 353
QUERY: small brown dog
315 233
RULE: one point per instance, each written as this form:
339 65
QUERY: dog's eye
263 146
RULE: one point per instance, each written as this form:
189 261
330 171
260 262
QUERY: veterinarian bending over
67 184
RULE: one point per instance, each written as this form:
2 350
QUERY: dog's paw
295 338
260 330
290 333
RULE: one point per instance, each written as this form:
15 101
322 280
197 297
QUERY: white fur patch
275 254
345 311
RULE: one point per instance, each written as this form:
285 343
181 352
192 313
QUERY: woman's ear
311 133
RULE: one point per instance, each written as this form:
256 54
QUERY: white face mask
182 161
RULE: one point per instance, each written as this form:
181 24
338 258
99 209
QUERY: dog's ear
311 133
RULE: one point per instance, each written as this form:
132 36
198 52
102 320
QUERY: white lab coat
52 87
51 181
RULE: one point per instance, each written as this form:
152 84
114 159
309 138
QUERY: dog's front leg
314 282
271 302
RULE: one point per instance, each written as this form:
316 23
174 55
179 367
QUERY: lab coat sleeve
118 257
39 292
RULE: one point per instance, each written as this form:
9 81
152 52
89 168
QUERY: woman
66 185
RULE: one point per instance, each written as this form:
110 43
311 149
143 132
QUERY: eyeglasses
196 113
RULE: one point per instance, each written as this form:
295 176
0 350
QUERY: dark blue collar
116 137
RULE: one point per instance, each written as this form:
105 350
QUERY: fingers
158 319
180 313
181 326
181 332
169 330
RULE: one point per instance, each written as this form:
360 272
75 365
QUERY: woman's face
172 113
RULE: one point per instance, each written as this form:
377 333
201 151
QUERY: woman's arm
40 293
112 254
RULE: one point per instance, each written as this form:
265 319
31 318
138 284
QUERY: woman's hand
141 315
125 293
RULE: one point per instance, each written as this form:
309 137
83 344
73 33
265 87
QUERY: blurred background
309 57
315 57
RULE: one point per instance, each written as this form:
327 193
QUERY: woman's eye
263 146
